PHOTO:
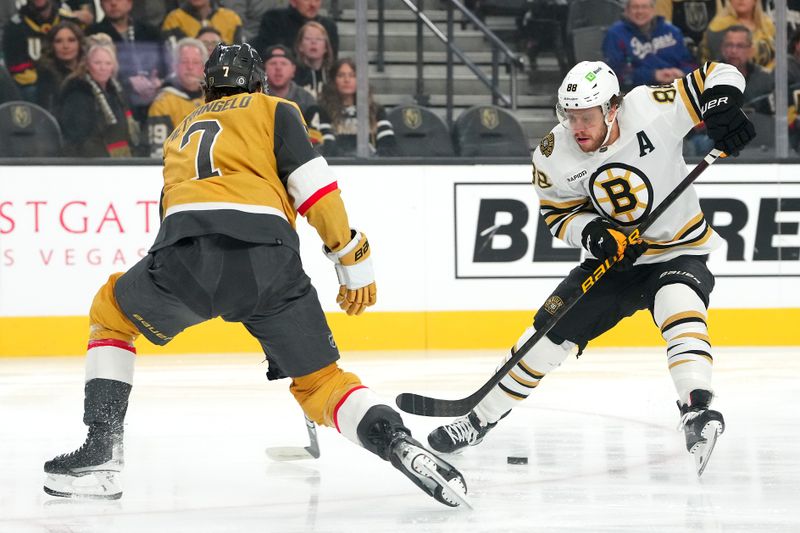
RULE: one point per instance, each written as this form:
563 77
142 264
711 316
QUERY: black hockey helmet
236 66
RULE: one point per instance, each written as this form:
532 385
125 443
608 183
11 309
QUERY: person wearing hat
280 66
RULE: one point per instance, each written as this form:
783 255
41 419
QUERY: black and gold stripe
682 318
557 216
691 86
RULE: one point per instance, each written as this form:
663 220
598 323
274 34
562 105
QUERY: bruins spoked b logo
621 191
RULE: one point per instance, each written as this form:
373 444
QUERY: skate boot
429 472
382 432
702 427
91 471
458 434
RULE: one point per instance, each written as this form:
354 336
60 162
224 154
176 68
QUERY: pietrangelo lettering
217 106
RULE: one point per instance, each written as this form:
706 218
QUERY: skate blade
702 450
101 485
452 490
289 453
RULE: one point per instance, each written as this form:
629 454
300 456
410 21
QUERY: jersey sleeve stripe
691 107
306 182
699 82
305 206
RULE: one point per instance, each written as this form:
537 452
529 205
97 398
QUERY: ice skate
429 472
458 434
702 427
91 471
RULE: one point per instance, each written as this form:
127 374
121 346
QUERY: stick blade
289 453
426 406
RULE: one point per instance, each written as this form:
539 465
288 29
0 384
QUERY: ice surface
604 454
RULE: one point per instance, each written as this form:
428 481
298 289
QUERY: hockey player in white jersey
598 174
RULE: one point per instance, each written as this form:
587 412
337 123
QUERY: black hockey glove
725 121
632 253
601 239
605 242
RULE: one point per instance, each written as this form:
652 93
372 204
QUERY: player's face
640 12
587 126
280 71
308 8
190 68
346 81
313 44
736 50
117 9
101 65
65 45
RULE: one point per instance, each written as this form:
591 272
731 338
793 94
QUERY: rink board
444 281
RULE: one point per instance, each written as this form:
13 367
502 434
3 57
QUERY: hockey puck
517 460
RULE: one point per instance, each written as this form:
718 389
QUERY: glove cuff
734 95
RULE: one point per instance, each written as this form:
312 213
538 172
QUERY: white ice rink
600 434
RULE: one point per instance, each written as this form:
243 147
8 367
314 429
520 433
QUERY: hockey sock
681 316
109 377
524 377
362 418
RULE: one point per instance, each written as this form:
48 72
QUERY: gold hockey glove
353 266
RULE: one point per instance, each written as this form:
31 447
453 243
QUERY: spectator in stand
315 57
83 10
281 25
737 50
23 38
62 53
192 15
338 103
644 49
94 116
280 66
8 89
181 94
210 37
747 13
7 10
692 17
153 12
140 53
250 11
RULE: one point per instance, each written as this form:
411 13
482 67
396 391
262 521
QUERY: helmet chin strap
609 126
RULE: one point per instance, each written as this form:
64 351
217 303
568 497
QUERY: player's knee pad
544 357
106 319
321 392
681 314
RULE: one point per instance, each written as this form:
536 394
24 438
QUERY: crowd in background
120 79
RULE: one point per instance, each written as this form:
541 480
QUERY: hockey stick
297 453
426 406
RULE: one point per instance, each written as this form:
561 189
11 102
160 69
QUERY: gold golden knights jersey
169 108
243 166
185 22
626 180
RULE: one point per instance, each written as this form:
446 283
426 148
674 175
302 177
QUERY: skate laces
462 430
688 416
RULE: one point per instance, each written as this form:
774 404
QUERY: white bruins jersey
626 180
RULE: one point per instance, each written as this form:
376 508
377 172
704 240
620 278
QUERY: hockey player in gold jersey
237 171
598 175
